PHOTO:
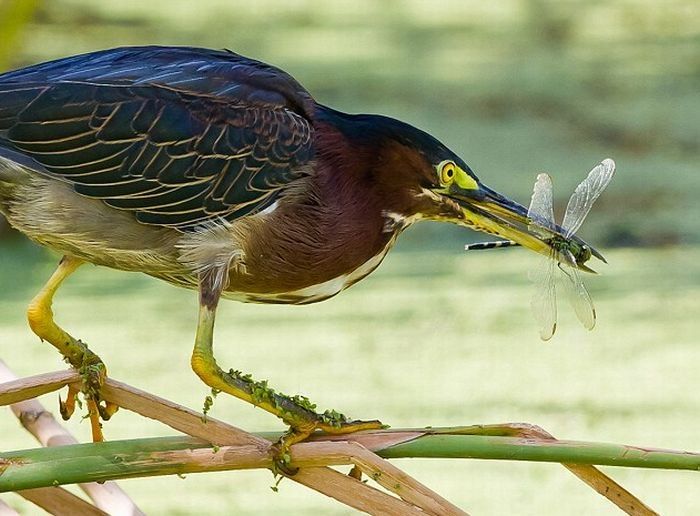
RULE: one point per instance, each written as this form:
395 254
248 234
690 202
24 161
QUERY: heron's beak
490 212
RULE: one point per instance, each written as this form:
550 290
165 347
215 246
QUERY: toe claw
281 459
66 412
66 408
355 473
107 410
279 467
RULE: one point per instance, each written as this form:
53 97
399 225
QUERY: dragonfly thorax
570 251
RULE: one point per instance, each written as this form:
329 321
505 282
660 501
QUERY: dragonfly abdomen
490 245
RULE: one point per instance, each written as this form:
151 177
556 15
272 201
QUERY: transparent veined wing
541 210
578 296
585 195
544 299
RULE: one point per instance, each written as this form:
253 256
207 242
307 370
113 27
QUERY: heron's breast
315 292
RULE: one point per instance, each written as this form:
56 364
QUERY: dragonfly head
575 252
582 257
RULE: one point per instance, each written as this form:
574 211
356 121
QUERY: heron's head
421 179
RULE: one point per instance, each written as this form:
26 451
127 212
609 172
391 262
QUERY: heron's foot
305 424
74 351
330 422
296 411
93 373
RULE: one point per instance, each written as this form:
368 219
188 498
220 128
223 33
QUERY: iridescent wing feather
178 136
585 195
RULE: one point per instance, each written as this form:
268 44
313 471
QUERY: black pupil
450 172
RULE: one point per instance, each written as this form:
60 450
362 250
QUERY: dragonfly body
568 253
568 250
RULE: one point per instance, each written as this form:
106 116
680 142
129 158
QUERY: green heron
222 174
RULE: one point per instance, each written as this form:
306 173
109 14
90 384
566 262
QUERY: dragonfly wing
579 297
544 299
541 210
585 195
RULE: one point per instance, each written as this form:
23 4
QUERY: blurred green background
434 337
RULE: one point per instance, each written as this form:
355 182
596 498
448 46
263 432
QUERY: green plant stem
568 452
42 467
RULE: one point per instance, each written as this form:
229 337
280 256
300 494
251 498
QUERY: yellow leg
40 315
76 353
296 411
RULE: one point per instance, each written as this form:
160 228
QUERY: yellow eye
448 171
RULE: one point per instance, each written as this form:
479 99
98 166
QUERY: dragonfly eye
585 254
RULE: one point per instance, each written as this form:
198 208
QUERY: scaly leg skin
296 411
75 352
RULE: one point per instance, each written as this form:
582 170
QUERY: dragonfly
568 253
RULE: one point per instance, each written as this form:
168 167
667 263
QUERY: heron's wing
178 136
585 195
544 299
541 210
579 297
